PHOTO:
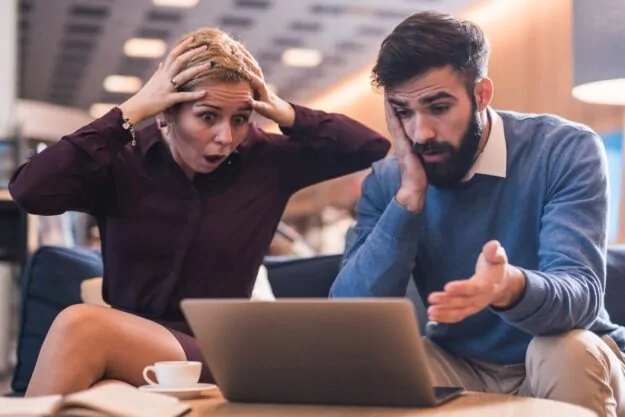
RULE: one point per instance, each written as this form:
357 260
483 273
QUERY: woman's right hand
161 90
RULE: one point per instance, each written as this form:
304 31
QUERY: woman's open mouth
214 159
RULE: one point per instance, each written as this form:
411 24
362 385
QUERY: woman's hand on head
267 103
161 90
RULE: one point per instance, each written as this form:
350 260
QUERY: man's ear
484 90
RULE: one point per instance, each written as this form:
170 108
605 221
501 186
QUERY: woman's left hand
268 103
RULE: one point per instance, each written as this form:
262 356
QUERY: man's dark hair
429 40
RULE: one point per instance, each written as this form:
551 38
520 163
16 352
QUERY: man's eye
439 109
403 114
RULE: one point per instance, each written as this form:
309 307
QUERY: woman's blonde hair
224 53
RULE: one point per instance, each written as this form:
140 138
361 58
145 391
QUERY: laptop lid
313 351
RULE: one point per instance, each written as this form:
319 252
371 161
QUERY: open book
109 400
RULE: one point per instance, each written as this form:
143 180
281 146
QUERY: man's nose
421 130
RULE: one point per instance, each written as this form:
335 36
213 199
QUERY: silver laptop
335 352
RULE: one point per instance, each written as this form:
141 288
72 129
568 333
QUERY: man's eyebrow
437 96
397 102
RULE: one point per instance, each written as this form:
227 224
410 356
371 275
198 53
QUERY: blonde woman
186 207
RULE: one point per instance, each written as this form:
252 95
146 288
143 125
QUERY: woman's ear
167 116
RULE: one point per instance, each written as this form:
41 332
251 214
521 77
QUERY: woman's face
203 133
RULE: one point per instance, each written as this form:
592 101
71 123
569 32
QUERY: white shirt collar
494 158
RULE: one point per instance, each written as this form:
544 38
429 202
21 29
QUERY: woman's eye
238 120
207 117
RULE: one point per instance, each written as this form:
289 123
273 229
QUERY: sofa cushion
615 285
295 277
50 283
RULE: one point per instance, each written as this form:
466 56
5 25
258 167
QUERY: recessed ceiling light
175 3
610 92
301 57
122 84
145 48
98 110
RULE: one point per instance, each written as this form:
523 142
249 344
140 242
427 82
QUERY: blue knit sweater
549 213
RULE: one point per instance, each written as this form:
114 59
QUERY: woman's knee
79 322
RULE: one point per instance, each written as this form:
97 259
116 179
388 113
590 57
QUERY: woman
186 207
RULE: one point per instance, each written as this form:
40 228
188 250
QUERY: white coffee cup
175 374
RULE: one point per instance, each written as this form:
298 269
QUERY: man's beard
454 168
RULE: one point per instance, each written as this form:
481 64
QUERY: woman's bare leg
88 343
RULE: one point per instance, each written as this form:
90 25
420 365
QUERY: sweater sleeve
71 175
566 292
321 146
382 256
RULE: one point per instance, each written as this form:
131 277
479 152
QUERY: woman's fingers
187 96
190 73
182 59
258 84
179 49
252 64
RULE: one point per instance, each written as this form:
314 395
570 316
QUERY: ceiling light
98 110
122 84
610 92
145 48
300 57
175 3
598 67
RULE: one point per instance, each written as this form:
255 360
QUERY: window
614 148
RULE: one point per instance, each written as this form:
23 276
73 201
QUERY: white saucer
181 393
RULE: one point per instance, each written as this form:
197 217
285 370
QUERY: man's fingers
448 301
396 129
441 315
494 253
465 288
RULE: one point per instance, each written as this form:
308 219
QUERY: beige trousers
577 367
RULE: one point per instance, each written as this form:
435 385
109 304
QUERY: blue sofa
52 277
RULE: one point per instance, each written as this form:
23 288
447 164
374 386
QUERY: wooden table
468 405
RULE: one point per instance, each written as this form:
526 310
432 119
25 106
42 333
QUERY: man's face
442 121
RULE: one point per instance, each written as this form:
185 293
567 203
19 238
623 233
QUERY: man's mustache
432 147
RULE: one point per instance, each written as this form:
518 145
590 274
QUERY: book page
79 412
122 400
27 407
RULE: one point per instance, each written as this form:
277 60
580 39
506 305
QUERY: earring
161 123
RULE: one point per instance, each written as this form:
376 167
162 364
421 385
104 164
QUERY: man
500 217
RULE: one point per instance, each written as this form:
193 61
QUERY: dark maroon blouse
166 237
